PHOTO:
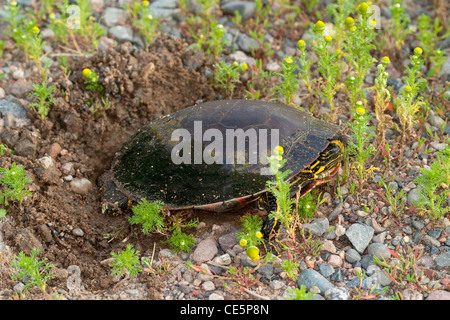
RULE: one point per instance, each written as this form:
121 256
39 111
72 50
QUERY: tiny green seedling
15 182
148 214
361 148
126 262
299 293
227 75
92 80
32 271
44 96
180 241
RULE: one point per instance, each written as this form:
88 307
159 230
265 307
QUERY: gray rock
121 33
351 256
417 225
19 287
77 232
430 241
337 294
443 260
360 236
205 251
113 16
163 8
439 295
266 270
436 121
318 227
245 8
310 278
81 186
326 270
435 233
337 276
228 241
246 43
21 88
378 276
379 250
366 284
413 196
208 286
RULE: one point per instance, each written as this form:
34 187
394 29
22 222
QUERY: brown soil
140 85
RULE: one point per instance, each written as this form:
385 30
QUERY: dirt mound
81 135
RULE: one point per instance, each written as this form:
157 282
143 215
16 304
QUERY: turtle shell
145 166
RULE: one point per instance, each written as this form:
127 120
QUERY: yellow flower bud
145 3
253 253
301 44
360 110
259 235
288 60
35 29
349 21
385 61
408 88
244 66
243 242
418 51
320 26
86 72
352 28
363 8
278 150
328 38
13 3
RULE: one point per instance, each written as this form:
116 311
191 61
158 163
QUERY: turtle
213 157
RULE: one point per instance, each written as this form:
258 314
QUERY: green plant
227 75
45 8
299 293
396 200
15 182
400 20
407 103
59 24
32 271
125 262
382 100
432 200
280 188
36 48
340 11
216 42
180 241
328 67
148 214
437 61
305 71
402 269
290 267
147 25
357 43
289 83
250 236
91 80
428 35
257 86
361 149
306 206
44 96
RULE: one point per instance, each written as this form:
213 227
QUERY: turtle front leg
271 227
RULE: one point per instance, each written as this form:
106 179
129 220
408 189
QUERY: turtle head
114 202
